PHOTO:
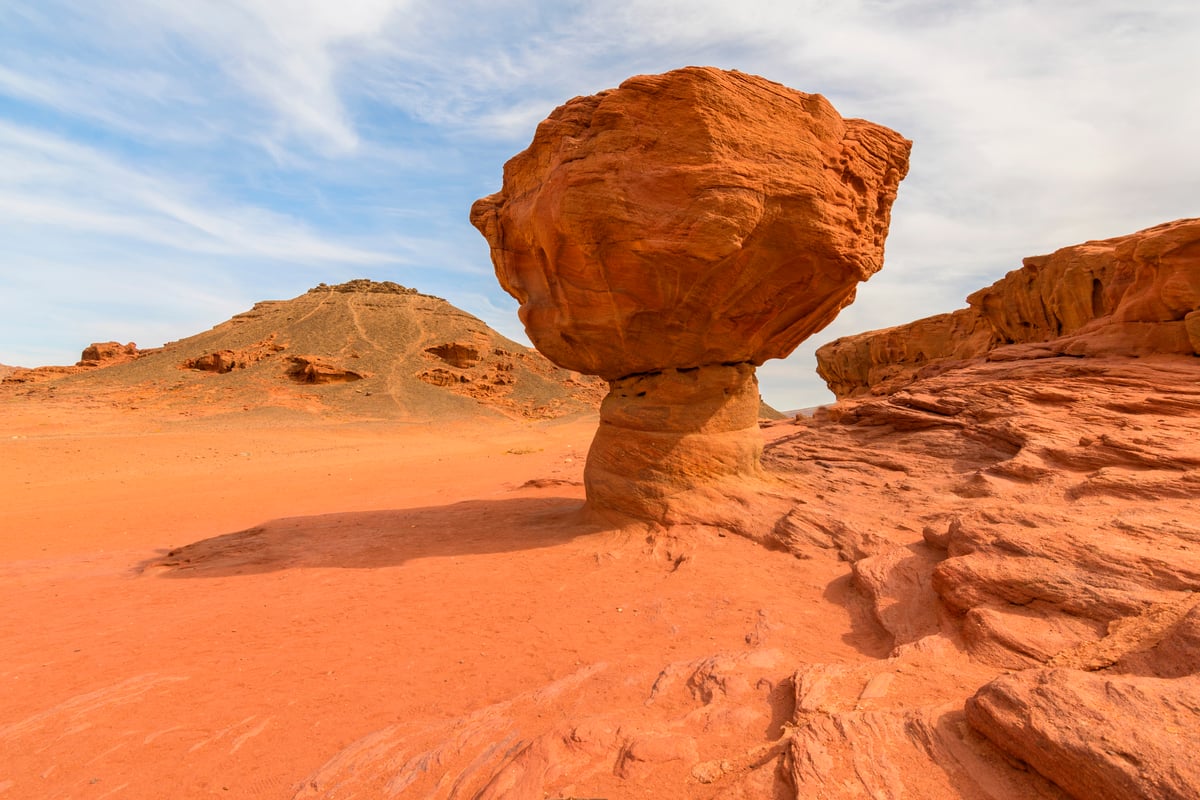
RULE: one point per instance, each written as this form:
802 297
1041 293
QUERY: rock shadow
373 539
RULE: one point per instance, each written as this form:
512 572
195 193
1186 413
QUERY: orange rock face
896 356
95 355
1050 719
1132 295
665 431
691 218
687 221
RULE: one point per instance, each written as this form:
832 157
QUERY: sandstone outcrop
671 234
1132 295
315 369
896 356
1097 736
100 354
1041 515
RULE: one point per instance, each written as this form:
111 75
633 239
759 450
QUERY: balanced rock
672 234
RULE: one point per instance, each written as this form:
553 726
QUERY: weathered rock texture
640 456
1061 722
1067 474
1042 515
688 221
1132 295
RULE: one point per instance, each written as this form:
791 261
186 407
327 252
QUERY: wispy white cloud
286 52
62 186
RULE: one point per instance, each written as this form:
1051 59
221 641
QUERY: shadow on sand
369 539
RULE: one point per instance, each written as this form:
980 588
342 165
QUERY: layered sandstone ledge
1133 295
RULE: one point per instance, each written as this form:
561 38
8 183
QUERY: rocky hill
363 348
1131 295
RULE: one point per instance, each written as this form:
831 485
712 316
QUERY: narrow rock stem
667 433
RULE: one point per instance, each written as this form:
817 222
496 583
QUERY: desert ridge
1133 295
357 350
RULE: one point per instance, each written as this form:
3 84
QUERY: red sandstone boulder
691 218
103 354
315 369
95 355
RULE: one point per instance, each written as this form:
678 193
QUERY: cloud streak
62 186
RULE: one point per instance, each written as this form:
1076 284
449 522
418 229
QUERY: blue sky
166 163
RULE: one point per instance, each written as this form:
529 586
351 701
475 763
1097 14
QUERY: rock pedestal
663 434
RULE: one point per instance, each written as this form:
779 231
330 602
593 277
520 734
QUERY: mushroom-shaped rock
670 235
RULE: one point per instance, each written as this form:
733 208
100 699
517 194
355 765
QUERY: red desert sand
197 609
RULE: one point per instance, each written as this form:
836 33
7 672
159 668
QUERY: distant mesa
362 348
1133 295
674 233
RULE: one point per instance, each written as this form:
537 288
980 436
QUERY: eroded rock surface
641 455
1098 736
1042 515
1132 295
692 221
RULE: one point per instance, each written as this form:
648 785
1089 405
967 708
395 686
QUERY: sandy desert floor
279 603
212 608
